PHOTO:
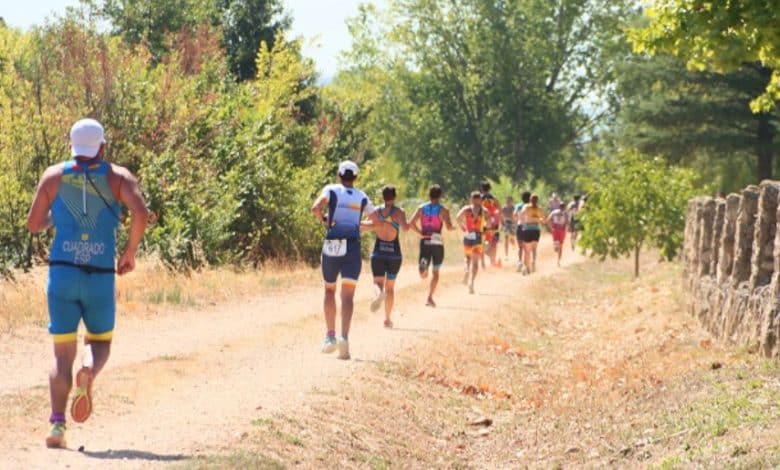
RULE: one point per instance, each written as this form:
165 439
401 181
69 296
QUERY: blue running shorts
74 294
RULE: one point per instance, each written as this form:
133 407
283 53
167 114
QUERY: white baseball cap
348 165
86 137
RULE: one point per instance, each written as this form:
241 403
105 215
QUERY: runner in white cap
82 199
340 207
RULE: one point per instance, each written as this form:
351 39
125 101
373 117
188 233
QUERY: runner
432 216
531 217
574 223
471 219
386 257
554 203
81 199
508 225
492 224
525 198
341 250
558 221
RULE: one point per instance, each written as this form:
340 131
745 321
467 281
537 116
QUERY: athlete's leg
534 245
330 274
329 306
389 299
347 305
475 270
432 288
61 375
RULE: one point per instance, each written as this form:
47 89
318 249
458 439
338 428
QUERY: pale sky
320 22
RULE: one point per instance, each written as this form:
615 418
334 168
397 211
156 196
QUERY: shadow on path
122 454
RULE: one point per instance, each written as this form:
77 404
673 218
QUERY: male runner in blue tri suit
433 216
386 258
81 199
341 250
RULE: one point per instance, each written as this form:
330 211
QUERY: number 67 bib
334 248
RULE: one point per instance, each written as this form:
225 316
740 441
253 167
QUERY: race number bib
436 239
334 248
471 236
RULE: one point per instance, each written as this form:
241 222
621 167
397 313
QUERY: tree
634 202
697 119
244 24
719 36
477 88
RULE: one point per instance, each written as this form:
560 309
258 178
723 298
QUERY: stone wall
731 262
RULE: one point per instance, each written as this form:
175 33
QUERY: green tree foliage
720 36
244 25
634 202
470 88
229 169
697 119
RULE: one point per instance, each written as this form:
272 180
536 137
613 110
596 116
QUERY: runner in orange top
471 219
492 222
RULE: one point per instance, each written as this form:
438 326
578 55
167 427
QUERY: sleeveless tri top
346 207
388 249
431 219
475 223
85 214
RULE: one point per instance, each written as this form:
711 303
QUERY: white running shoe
379 297
329 345
344 349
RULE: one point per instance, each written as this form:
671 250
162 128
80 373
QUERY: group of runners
346 212
82 200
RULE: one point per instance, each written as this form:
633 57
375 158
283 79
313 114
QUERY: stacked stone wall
731 262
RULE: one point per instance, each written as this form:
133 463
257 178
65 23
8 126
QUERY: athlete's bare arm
39 218
460 216
445 216
413 221
400 218
130 195
316 208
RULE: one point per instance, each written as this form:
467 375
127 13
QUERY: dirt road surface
184 384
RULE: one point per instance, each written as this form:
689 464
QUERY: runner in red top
557 221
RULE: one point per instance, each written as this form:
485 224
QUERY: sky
320 22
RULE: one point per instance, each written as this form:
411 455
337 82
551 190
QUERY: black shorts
519 233
385 267
431 255
531 236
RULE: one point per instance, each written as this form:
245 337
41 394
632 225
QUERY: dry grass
152 288
593 370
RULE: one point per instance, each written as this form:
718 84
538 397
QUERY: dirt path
189 383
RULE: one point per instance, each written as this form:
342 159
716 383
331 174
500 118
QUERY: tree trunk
764 146
637 250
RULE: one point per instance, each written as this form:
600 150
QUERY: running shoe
56 437
379 297
430 302
81 407
329 345
344 349
388 324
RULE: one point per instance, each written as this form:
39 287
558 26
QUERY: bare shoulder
123 173
53 171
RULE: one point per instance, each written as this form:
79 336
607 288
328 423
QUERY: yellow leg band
107 336
64 338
